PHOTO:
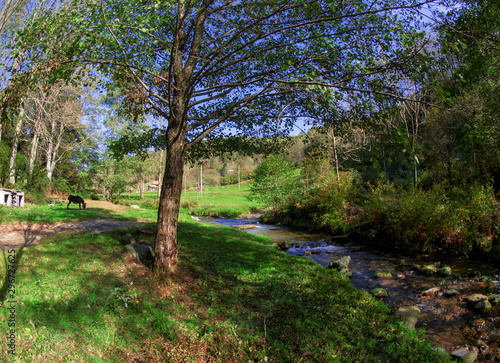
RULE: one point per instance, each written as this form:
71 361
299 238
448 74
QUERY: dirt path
28 234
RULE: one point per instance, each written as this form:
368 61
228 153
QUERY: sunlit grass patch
226 201
59 213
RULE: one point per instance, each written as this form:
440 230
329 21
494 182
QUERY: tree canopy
254 67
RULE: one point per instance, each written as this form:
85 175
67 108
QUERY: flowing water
449 322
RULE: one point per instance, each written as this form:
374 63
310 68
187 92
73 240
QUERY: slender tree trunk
15 142
53 148
31 163
336 157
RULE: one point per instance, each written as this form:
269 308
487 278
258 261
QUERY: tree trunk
15 142
168 211
336 157
53 147
31 163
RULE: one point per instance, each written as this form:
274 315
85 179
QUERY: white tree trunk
33 153
53 147
15 142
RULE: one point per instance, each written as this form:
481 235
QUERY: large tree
251 66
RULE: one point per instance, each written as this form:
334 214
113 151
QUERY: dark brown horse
76 199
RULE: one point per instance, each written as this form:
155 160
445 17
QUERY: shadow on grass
231 299
11 261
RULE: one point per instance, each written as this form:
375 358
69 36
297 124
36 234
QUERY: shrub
229 179
411 218
151 204
190 204
461 219
326 204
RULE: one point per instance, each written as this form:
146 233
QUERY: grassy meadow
232 298
228 201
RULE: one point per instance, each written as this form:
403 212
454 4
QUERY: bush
190 204
229 179
332 204
465 219
409 218
151 204
326 204
34 197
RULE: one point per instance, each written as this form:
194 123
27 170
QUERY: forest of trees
385 99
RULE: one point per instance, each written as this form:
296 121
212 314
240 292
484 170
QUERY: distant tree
272 180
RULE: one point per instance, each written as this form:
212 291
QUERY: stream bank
450 319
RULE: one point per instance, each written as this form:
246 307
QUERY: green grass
227 201
231 299
59 213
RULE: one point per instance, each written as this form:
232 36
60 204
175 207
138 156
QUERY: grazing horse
76 199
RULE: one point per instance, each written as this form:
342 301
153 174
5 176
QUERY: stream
450 322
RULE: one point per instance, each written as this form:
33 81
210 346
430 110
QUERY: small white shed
11 197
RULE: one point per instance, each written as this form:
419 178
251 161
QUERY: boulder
341 263
459 353
139 252
451 292
474 299
465 355
133 206
409 315
484 306
444 271
428 270
432 291
379 292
